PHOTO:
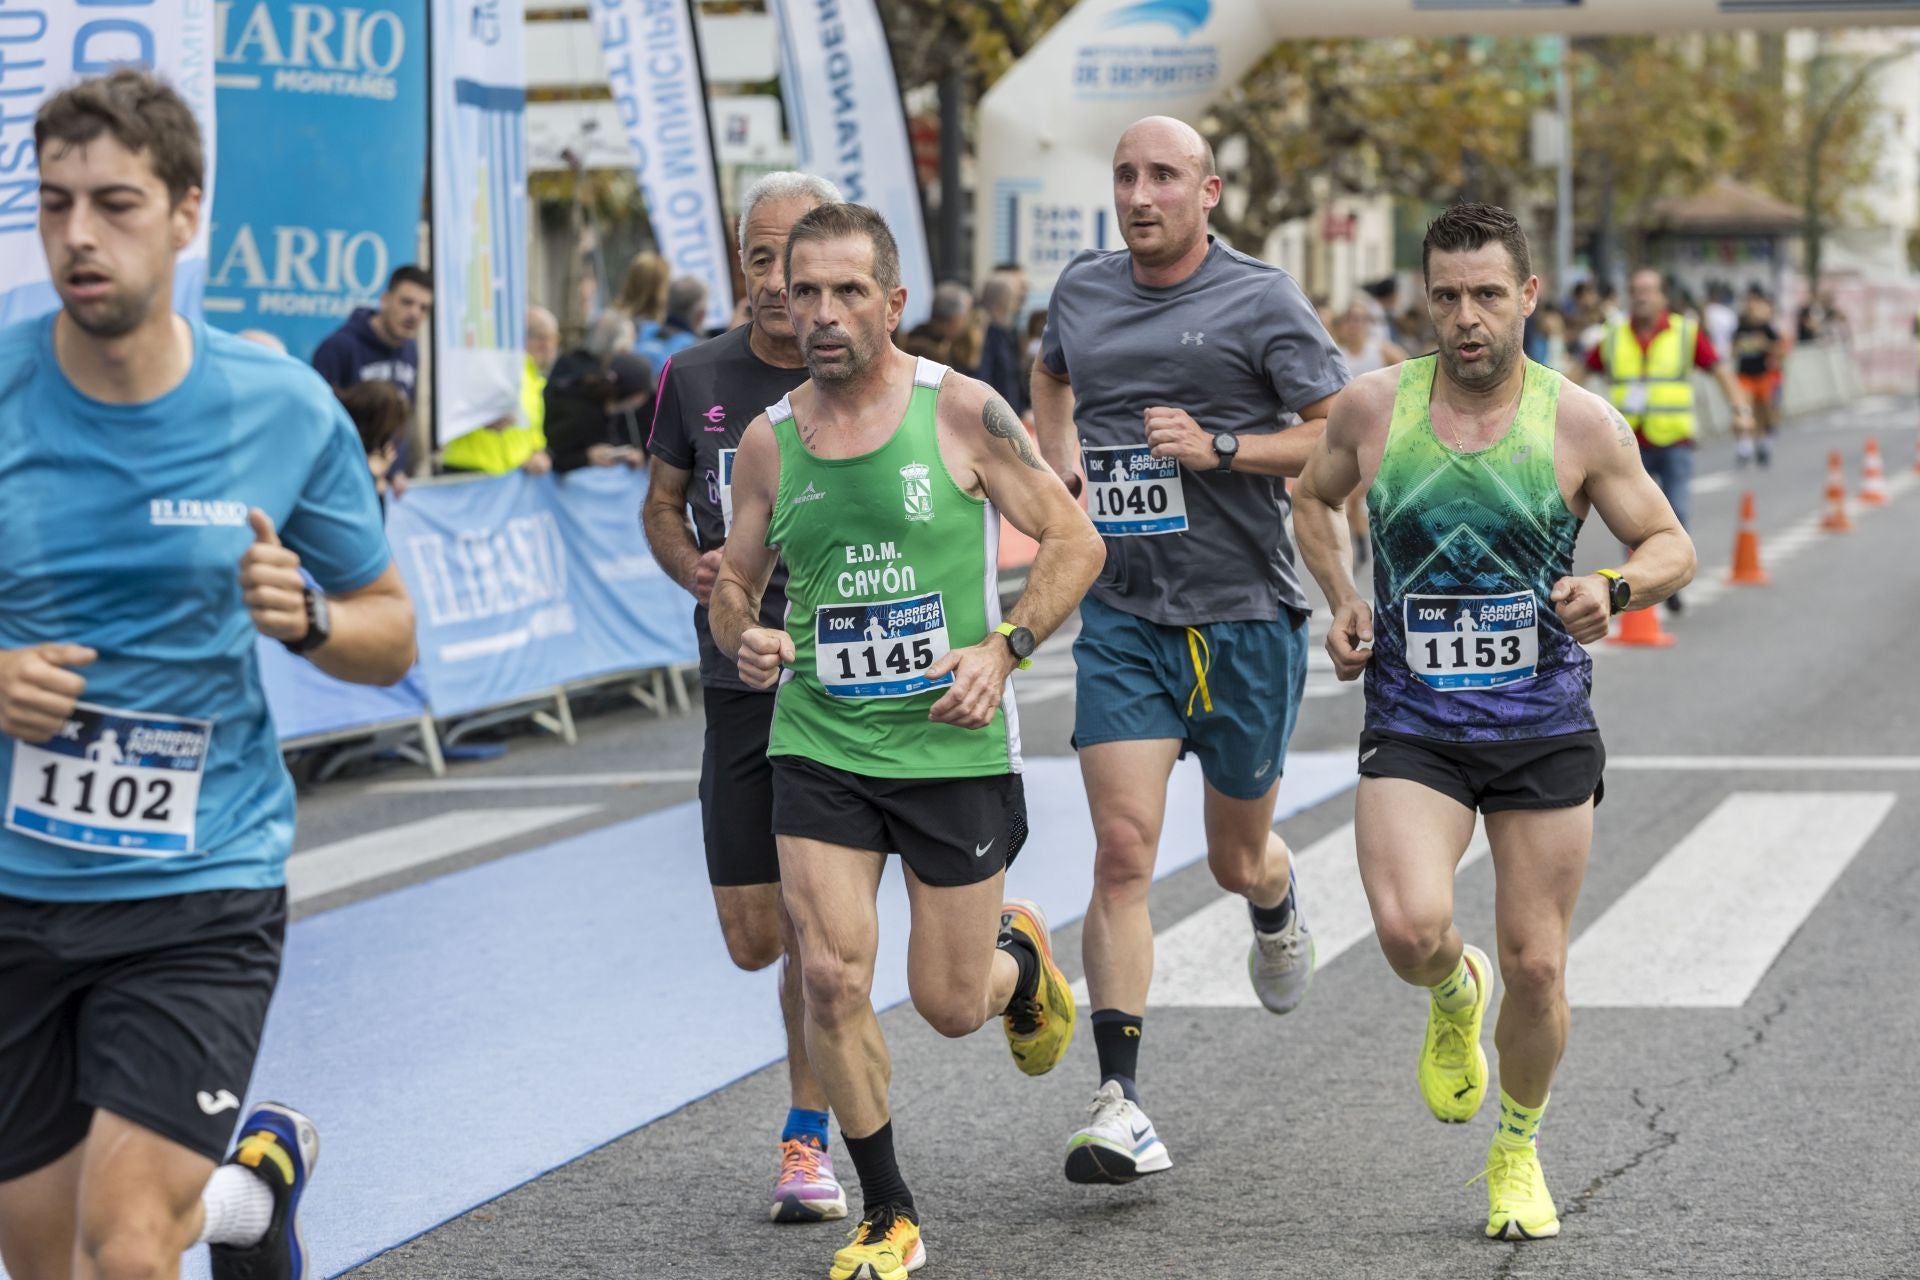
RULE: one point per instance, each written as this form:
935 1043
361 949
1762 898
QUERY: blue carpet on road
459 1037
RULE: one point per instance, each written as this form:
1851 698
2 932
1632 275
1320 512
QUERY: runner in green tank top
1478 468
881 482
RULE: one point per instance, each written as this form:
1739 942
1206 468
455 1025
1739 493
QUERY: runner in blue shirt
162 489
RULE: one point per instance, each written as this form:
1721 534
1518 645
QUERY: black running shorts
1529 773
736 788
150 1008
950 831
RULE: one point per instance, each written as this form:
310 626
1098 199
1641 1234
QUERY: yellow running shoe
1453 1066
886 1246
1519 1206
1038 1030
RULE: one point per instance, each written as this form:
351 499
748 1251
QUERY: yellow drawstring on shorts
1202 659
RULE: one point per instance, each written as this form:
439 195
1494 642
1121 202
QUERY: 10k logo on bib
1132 493
880 650
1472 642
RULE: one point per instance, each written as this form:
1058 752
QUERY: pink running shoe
807 1190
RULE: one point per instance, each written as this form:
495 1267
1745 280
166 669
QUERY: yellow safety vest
496 452
1653 388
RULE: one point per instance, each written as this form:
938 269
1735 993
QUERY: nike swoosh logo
214 1103
1368 754
1141 1133
980 851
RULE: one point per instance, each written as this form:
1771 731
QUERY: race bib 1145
880 650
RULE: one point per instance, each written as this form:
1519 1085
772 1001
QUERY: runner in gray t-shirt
1165 370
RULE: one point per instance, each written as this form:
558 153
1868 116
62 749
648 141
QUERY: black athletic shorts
736 788
951 831
150 1008
1531 773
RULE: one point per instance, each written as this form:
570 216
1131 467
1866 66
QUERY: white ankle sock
238 1207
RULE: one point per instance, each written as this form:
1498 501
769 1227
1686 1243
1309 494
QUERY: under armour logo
1193 339
716 416
214 1103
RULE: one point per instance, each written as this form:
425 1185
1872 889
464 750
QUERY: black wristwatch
319 624
1227 445
1019 640
1619 590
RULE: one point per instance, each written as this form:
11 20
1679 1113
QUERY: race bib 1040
880 650
1131 493
1472 642
112 782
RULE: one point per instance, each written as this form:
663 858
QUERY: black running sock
1116 1039
1021 948
880 1180
1273 919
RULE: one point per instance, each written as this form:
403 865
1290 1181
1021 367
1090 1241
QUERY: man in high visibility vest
1649 359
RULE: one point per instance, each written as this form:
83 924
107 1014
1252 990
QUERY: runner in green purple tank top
1478 467
880 482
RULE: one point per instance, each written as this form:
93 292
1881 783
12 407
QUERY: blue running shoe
280 1146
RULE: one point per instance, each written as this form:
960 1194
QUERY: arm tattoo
1001 421
1622 432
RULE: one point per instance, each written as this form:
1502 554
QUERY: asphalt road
1770 1137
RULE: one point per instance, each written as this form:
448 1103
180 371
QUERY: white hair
785 184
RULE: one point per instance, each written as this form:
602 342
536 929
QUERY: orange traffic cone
1641 627
1746 549
1836 519
1873 477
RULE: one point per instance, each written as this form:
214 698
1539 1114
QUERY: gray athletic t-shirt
1236 345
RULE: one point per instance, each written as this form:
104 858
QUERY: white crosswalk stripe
1706 923
1202 960
1700 929
341 865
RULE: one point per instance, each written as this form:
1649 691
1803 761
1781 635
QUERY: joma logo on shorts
196 511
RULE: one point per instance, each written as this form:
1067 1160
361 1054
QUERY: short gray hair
784 184
686 300
996 295
951 299
611 334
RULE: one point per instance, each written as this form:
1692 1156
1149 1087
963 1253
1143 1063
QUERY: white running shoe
1281 964
1118 1144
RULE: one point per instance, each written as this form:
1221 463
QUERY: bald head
1164 185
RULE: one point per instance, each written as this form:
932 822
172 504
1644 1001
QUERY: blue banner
328 103
524 583
306 701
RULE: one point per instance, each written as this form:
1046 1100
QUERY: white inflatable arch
1047 129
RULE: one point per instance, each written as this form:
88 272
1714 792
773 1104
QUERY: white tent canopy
1047 129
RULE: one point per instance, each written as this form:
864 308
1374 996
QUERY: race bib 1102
1472 642
880 650
112 782
1131 493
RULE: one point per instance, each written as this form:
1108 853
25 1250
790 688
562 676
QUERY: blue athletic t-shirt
122 528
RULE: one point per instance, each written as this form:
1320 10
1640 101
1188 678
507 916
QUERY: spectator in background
1821 321
379 412
1382 300
380 344
643 294
520 443
1416 332
944 337
593 396
1000 363
679 328
1036 333
1759 351
1015 277
1718 317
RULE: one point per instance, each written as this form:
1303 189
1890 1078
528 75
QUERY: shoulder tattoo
1621 431
1000 420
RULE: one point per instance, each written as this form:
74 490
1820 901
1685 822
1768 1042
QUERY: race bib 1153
1472 642
880 650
